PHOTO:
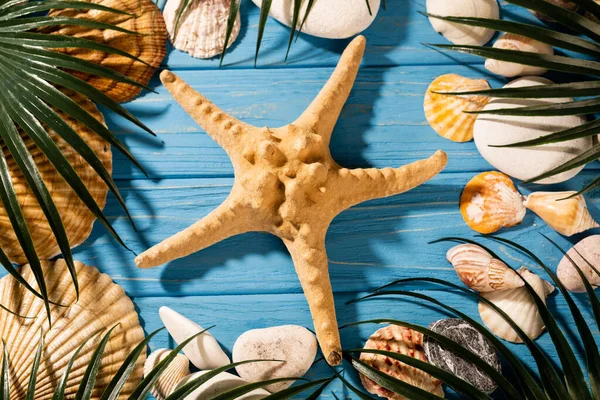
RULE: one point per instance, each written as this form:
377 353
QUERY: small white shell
480 271
202 26
589 248
511 41
566 216
219 384
462 34
178 369
520 307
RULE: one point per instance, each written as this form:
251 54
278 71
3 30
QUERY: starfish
286 183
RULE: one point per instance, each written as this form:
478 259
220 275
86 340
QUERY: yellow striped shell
178 369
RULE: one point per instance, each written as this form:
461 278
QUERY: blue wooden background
248 281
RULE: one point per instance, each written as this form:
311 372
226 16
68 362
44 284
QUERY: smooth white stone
218 385
204 351
294 344
332 19
527 162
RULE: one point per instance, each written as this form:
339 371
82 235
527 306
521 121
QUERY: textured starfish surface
287 183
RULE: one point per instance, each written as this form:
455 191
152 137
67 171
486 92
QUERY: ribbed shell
400 340
149 45
202 26
445 112
102 304
511 41
178 369
76 217
490 202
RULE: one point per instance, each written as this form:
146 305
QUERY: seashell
567 217
150 45
204 351
566 4
490 202
102 304
445 112
403 341
175 372
589 248
511 41
76 217
519 306
462 34
480 271
202 26
219 384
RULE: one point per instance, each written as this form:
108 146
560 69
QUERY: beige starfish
287 184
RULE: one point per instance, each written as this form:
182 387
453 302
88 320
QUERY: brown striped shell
76 217
102 304
149 45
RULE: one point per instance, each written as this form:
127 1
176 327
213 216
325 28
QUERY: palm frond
262 22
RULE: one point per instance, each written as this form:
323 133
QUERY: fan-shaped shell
178 369
76 217
102 304
150 45
400 340
584 252
566 216
480 271
519 306
462 34
490 202
511 41
445 113
202 26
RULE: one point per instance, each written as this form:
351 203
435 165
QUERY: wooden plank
382 124
261 311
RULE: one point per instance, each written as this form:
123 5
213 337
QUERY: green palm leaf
37 6
584 158
59 392
571 89
581 107
262 22
294 390
245 389
4 375
34 369
234 10
89 378
295 19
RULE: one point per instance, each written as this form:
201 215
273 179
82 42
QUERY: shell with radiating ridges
480 271
102 305
490 202
462 34
76 217
585 254
202 26
150 45
445 112
511 41
566 216
400 340
178 369
519 306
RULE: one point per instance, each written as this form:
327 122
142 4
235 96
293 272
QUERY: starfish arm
358 185
223 128
324 111
225 221
310 261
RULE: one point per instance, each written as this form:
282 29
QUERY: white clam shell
331 19
204 351
102 304
462 34
178 369
527 162
519 306
589 248
511 41
202 26
221 383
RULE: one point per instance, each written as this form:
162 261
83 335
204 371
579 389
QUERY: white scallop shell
219 384
102 304
519 306
511 41
589 248
462 34
178 369
202 26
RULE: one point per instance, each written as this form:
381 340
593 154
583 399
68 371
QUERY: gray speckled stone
464 334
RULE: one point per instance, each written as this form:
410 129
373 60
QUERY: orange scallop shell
445 112
490 201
